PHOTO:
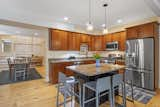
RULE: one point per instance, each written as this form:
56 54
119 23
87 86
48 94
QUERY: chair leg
15 77
65 96
80 98
97 99
71 101
123 93
57 100
132 91
110 97
24 74
83 96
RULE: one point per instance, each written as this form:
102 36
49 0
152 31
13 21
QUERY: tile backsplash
66 54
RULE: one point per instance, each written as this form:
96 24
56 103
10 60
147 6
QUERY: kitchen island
89 72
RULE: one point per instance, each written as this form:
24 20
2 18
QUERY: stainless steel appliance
140 60
111 46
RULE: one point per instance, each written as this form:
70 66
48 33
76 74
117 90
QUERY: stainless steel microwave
111 46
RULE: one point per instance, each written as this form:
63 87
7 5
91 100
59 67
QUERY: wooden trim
142 24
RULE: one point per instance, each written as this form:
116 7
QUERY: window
6 46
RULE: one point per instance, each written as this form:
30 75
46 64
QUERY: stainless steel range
140 60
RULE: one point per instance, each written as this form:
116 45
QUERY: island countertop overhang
91 69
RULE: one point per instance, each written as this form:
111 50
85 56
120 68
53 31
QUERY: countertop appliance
112 46
140 60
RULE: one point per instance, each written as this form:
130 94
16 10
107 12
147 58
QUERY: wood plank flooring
39 93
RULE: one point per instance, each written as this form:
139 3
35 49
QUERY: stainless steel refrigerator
140 62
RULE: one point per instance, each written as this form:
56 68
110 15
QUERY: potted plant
97 57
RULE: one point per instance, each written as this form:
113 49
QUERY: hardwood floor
38 93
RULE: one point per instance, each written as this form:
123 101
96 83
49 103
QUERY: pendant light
89 24
105 30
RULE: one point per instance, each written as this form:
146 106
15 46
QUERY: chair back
62 77
129 76
103 84
9 62
18 67
19 60
117 79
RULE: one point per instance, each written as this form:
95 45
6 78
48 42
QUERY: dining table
90 72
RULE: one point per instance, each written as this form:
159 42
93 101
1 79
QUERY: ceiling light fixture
119 21
66 18
105 30
36 34
89 25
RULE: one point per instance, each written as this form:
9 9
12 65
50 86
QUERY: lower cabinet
55 68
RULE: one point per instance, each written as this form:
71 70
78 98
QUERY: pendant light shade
105 30
89 25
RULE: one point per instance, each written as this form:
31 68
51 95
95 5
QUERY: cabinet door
107 38
97 43
146 30
132 33
116 37
74 41
84 38
59 40
122 41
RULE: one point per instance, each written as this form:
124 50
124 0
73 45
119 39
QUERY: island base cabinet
55 68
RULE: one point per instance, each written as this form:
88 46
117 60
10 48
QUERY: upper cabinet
122 43
58 40
142 31
120 37
73 41
97 43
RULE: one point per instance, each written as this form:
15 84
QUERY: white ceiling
50 13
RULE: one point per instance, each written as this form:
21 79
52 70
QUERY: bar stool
98 87
118 81
66 88
129 81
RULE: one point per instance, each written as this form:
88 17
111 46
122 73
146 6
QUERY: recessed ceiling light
18 32
103 25
66 18
119 21
36 34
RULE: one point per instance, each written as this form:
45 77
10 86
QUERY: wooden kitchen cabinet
73 41
132 33
146 30
97 43
122 42
115 37
142 31
84 38
55 68
120 37
58 40
107 38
